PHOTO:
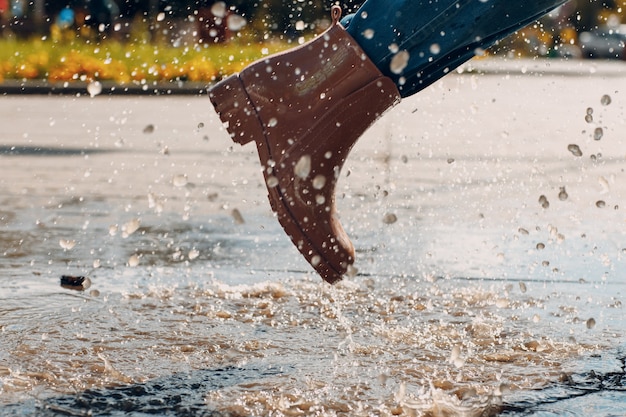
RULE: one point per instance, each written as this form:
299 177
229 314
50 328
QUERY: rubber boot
305 109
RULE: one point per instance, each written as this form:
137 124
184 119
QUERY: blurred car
604 44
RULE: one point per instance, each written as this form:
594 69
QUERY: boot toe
313 227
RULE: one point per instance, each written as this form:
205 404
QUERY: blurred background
164 40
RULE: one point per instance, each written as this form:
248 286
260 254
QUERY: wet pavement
488 217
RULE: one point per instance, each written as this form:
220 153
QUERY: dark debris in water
604 390
179 395
77 283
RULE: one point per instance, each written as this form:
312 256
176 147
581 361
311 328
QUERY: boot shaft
292 91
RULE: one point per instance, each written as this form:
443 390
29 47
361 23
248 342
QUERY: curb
107 88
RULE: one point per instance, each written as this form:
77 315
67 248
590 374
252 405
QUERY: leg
433 37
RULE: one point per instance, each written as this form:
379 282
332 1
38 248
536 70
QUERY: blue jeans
416 42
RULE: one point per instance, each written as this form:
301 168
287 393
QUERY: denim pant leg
416 42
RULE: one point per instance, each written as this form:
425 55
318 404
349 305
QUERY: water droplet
320 199
148 129
272 181
540 246
315 260
113 230
393 48
605 100
130 227
235 22
303 167
435 49
160 17
598 133
200 125
543 200
604 183
522 231
300 25
589 110
399 62
591 323
193 254
319 182
455 354
272 122
574 149
96 263
223 314
94 88
390 218
133 261
67 244
522 287
563 194
179 180
600 204
589 118
219 9
237 217
352 271
368 33
502 303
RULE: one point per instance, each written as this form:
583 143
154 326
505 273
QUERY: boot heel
236 110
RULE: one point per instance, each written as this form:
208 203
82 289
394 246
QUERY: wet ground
488 213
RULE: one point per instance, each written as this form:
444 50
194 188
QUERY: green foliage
59 60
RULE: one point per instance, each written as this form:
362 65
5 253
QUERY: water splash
94 88
575 150
399 62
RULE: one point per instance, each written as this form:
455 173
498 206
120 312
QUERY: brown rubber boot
305 109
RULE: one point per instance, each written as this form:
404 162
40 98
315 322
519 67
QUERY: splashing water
399 62
94 88
302 168
598 133
575 150
236 22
